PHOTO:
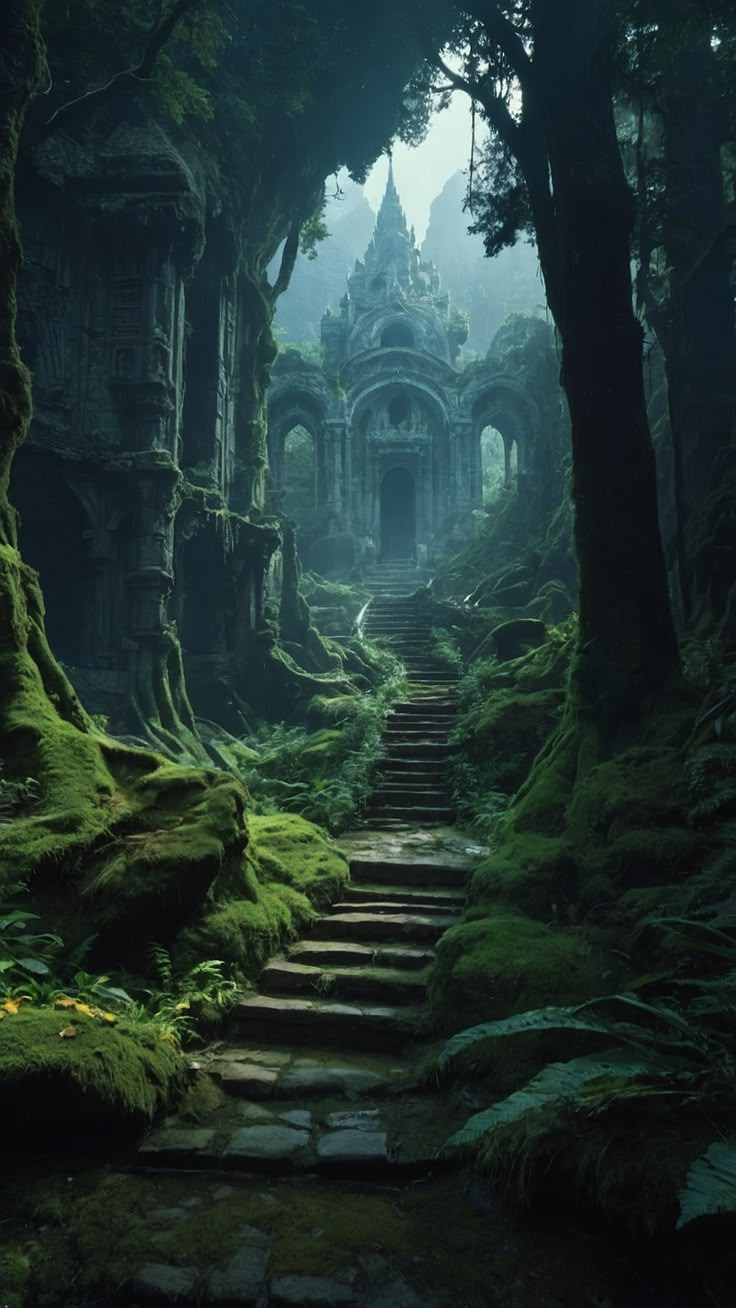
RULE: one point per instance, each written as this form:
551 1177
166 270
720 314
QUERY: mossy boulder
537 874
58 1070
501 964
189 824
290 871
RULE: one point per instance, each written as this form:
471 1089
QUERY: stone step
267 1070
433 897
322 1021
398 927
415 733
405 872
435 706
435 816
422 748
389 906
383 985
397 784
340 953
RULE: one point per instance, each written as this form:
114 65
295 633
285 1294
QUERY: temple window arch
399 409
299 473
398 334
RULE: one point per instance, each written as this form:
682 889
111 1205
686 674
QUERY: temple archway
399 334
299 475
398 515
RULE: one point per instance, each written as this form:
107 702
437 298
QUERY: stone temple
394 424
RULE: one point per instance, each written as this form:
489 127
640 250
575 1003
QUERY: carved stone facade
395 424
132 488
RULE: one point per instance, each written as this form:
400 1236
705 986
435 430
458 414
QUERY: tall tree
563 143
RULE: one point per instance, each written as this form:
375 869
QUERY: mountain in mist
320 282
487 289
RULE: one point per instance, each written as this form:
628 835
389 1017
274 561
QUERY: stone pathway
289 1177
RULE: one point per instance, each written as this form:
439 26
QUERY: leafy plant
445 650
24 951
679 1048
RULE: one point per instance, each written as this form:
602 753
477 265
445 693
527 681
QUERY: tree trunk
628 650
20 69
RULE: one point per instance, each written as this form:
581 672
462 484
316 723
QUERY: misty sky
421 173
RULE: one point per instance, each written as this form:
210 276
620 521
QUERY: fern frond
711 1185
538 1019
556 1082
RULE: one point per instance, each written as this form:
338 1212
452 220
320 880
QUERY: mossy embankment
591 854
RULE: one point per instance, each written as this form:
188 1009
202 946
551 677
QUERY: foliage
325 776
676 1048
445 650
24 951
711 1185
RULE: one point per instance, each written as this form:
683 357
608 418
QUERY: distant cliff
487 289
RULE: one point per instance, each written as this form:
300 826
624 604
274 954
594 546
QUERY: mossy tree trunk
628 652
20 70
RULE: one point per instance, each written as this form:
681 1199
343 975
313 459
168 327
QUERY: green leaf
33 965
18 918
538 1019
711 1185
555 1082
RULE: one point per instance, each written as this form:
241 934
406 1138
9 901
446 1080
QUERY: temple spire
391 218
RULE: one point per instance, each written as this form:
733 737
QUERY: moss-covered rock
500 964
290 871
56 1070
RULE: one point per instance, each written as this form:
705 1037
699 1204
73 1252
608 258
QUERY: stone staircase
397 577
322 1075
413 774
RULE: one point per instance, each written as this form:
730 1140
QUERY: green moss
502 964
538 874
290 870
103 1071
15 1275
290 851
188 823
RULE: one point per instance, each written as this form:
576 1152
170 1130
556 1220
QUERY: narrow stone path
294 1180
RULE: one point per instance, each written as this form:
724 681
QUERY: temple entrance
398 515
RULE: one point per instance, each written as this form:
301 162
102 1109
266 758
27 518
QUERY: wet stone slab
243 1281
159 1283
366 1120
275 1144
194 1145
353 1146
310 1292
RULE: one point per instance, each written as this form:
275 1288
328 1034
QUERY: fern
556 1082
539 1019
711 1185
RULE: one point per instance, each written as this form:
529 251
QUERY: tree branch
121 81
288 261
504 34
494 106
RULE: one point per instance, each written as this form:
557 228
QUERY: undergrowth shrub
660 1071
325 776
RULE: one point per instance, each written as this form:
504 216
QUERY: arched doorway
398 515
299 476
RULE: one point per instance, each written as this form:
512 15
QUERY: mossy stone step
419 816
317 1021
405 793
418 749
383 906
381 984
382 926
406 871
341 953
433 896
